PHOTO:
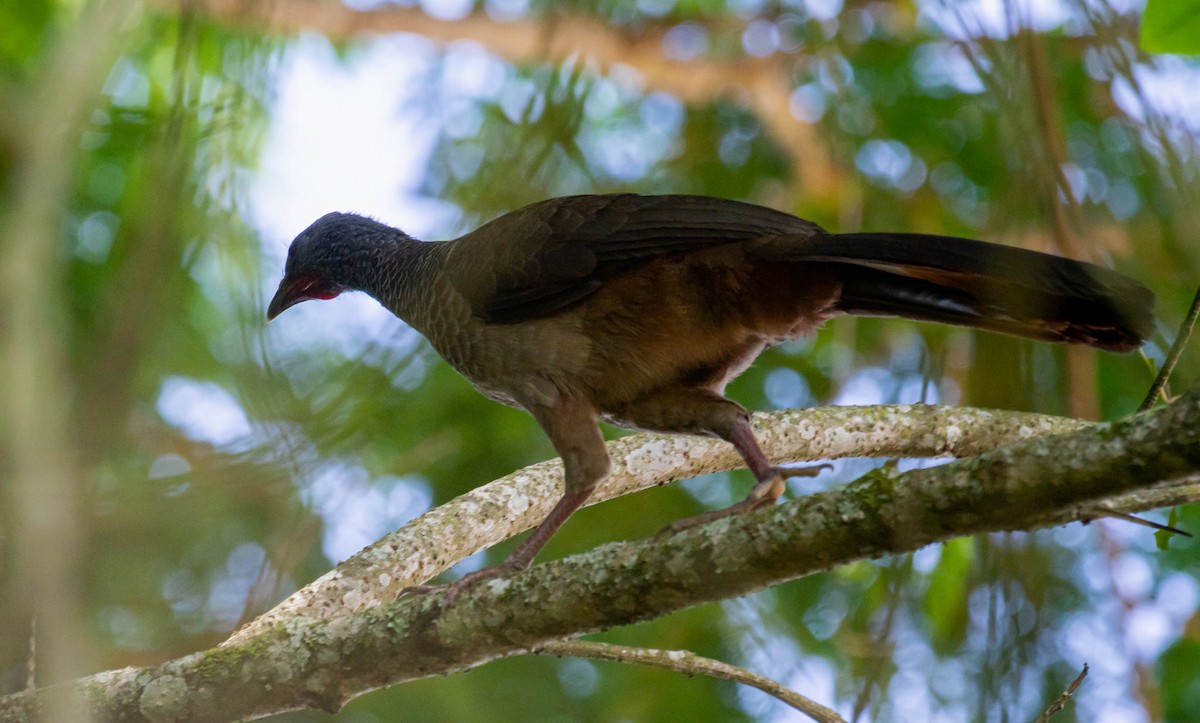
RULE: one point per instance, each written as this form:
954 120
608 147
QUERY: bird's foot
746 505
766 492
456 588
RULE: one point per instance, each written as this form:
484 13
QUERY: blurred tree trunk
46 490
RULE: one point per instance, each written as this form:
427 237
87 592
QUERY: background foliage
221 465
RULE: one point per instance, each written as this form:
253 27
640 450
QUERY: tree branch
432 543
1159 387
689 663
1061 702
304 663
763 84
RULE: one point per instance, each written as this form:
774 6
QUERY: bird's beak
287 295
302 288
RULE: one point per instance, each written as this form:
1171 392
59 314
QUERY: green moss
218 663
874 489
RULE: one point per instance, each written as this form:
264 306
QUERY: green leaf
1162 538
1179 681
946 598
1171 26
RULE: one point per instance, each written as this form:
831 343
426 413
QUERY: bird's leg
702 411
772 480
572 430
520 558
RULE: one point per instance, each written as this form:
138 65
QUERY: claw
764 493
456 588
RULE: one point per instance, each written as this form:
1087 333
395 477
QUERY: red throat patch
313 288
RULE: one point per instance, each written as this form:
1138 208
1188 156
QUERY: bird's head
327 259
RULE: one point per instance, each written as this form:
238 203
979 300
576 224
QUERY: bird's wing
544 258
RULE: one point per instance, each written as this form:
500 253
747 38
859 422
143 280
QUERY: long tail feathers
986 286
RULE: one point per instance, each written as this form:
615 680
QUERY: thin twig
1061 701
1181 339
1100 512
688 663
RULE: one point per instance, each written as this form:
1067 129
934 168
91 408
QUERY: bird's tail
986 286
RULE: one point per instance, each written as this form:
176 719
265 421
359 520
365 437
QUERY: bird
639 309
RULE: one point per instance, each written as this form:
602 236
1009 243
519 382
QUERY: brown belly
699 323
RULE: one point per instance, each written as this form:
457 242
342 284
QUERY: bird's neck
395 271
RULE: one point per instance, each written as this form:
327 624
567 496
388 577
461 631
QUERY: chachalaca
640 309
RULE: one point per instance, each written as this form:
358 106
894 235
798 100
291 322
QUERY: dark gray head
335 254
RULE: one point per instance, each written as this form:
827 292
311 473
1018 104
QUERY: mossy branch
298 662
491 513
